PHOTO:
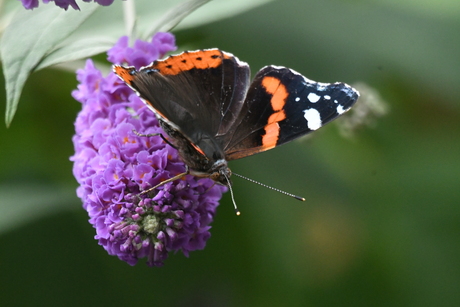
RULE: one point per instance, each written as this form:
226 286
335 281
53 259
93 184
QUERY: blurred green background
381 224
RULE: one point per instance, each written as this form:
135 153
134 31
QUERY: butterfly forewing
200 92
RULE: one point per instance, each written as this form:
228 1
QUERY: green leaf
49 35
172 17
30 36
217 10
101 31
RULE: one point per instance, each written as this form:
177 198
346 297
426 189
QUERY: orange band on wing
276 117
274 87
124 73
270 137
202 59
279 94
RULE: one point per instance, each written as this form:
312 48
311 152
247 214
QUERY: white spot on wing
321 86
313 119
327 97
341 110
313 97
297 99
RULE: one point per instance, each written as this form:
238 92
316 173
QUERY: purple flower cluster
113 165
142 53
64 4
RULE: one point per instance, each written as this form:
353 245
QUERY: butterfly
213 113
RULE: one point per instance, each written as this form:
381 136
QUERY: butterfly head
221 174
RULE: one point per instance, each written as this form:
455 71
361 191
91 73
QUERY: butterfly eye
215 176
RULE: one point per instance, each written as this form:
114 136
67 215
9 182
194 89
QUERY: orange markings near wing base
198 149
279 94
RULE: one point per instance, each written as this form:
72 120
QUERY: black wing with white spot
282 105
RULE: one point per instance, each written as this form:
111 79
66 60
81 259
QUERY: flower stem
129 11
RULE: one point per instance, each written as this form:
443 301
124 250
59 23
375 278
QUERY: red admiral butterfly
205 102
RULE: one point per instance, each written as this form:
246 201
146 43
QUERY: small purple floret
29 4
142 53
112 165
64 4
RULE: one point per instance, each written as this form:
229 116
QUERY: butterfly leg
166 181
207 190
155 134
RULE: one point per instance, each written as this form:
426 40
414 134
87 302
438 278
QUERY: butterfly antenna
269 187
233 198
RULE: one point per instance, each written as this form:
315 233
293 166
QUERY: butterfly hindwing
282 105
